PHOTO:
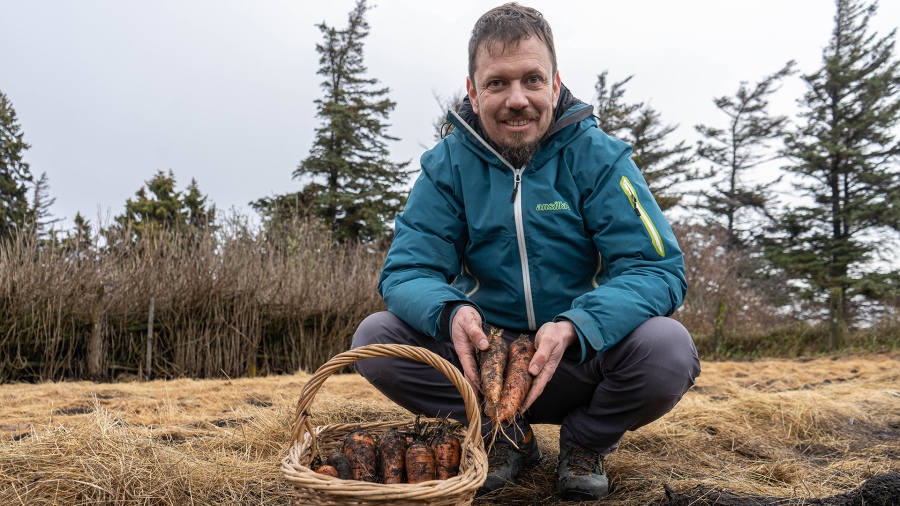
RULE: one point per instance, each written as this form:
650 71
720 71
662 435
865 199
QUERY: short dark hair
509 24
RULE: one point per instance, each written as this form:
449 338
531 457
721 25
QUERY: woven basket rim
295 467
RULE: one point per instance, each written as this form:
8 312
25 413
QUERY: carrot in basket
341 464
447 452
392 455
359 447
518 379
493 364
327 470
419 463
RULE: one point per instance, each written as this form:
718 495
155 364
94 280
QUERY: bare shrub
723 285
228 302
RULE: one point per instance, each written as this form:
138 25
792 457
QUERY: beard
519 152
520 155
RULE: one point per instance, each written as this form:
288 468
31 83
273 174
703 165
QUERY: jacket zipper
523 253
516 200
639 211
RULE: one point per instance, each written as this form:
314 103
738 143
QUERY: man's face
514 94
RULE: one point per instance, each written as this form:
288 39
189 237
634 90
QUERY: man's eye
535 80
495 83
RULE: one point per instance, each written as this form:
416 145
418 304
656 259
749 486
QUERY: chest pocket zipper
655 238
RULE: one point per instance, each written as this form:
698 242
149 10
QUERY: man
529 218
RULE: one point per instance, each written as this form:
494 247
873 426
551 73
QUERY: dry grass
254 301
783 428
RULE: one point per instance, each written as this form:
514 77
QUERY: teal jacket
575 235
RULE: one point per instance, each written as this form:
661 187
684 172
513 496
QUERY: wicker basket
317 489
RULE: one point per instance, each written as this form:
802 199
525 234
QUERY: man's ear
473 97
557 82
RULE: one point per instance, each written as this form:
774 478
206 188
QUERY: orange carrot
493 363
327 470
518 379
359 447
392 456
420 464
447 452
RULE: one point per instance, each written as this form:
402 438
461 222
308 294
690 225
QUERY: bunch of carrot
505 379
396 457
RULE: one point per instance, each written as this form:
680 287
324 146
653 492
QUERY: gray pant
624 388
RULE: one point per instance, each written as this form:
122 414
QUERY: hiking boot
580 475
505 462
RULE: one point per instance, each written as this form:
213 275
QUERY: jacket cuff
445 333
576 354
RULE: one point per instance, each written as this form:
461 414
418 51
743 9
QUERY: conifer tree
41 220
352 185
641 126
159 206
79 240
844 154
15 174
735 150
612 112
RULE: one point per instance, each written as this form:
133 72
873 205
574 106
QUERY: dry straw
796 429
316 489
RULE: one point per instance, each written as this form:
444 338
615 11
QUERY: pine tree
613 114
733 151
844 155
640 125
41 220
79 241
15 174
353 186
159 206
196 212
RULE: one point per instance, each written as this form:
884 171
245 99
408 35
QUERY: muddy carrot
341 464
518 379
392 456
359 447
493 363
447 452
420 464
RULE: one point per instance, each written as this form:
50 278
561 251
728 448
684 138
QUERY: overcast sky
108 92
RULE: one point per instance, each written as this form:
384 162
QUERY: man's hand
551 342
467 335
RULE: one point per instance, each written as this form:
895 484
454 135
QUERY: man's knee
681 363
371 329
659 354
667 340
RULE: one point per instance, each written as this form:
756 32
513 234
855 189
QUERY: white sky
108 92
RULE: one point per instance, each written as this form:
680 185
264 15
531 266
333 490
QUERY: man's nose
517 98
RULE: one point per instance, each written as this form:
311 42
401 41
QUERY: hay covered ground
782 428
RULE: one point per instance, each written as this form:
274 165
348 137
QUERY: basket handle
341 360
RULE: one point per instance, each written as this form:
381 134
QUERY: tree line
825 254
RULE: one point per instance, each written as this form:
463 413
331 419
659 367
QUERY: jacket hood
569 110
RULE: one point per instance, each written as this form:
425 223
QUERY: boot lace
498 456
582 461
